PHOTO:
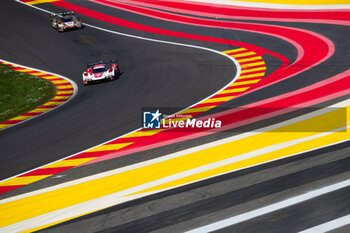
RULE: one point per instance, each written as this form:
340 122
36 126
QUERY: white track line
329 226
188 151
248 215
123 196
275 5
238 73
271 208
75 87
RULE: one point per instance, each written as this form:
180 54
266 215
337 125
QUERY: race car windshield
67 20
99 70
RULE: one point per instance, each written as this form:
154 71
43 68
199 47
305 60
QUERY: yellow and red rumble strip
252 71
33 2
64 91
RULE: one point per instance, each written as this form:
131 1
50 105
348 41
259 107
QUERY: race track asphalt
205 202
159 75
153 74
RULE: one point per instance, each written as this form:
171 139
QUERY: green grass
21 92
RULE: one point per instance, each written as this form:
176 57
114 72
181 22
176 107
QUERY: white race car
100 71
66 21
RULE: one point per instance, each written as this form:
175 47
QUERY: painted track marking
329 226
4 184
137 180
299 38
277 206
223 96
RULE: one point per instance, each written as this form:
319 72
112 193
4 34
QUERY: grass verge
22 92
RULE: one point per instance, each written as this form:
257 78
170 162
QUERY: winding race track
277 74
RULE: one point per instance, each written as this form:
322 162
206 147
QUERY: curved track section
190 184
151 73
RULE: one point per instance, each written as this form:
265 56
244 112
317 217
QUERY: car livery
65 20
101 71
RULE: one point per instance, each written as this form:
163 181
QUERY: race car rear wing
64 13
102 62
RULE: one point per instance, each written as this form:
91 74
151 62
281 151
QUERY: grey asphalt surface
208 201
153 74
193 205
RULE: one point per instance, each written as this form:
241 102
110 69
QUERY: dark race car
65 21
103 70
